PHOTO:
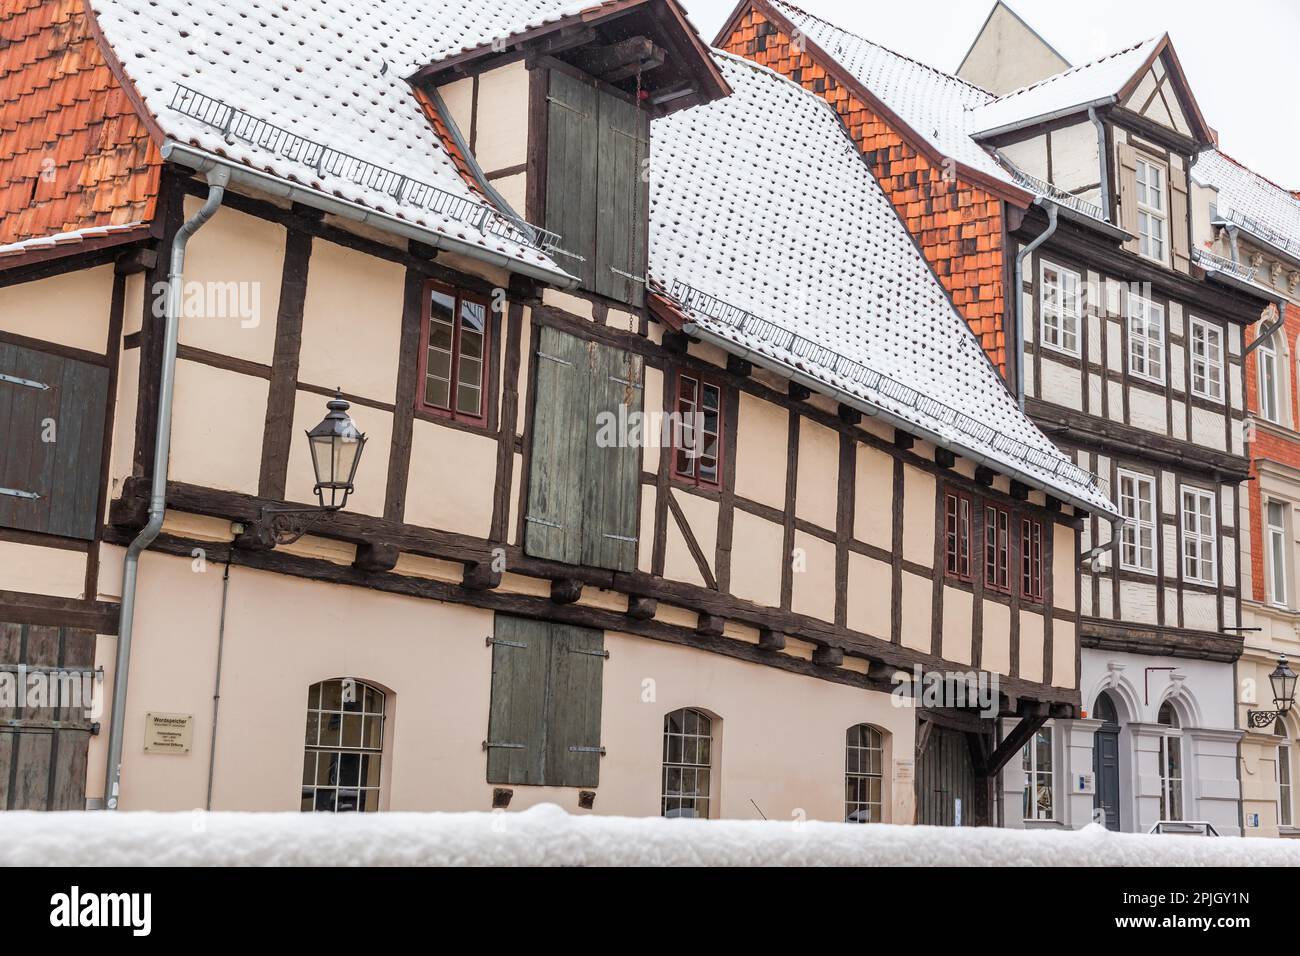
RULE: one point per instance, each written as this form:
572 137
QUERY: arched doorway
1105 761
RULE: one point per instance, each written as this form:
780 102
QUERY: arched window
864 751
1285 808
688 764
344 746
1171 764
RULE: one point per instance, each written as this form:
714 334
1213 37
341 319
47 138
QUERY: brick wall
957 225
1267 446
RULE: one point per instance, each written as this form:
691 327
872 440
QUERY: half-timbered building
679 462
1057 215
1249 220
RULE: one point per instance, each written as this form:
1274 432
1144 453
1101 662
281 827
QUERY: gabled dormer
554 123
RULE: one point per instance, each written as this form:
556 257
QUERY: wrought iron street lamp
1283 681
336 445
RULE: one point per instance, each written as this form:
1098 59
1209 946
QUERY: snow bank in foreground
547 835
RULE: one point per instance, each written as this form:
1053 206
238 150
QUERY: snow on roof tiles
1262 208
331 71
936 105
1078 86
762 201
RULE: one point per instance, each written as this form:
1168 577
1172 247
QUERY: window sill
1149 379
487 427
1059 349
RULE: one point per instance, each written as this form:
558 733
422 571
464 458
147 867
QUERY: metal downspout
1105 162
1046 234
217 180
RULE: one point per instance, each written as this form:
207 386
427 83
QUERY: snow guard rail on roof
809 351
235 123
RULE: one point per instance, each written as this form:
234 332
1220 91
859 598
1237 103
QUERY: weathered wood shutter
521 652
572 150
544 719
561 431
583 499
573 706
43 749
596 147
622 218
51 440
1128 209
1178 218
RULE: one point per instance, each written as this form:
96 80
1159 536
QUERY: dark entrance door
945 777
44 720
1105 762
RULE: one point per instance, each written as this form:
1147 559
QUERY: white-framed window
1275 540
1270 404
1146 339
1040 782
688 764
864 756
1137 504
1285 806
1207 360
1153 210
1061 308
344 747
1199 545
1171 764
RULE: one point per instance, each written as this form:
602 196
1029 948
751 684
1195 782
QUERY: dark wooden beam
738 366
566 590
376 556
619 60
770 640
828 656
1019 491
1015 741
800 393
984 475
641 608
903 440
848 415
944 458
137 259
480 577
710 625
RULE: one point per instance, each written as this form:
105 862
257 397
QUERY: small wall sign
168 733
904 770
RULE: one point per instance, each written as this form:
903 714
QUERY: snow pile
546 835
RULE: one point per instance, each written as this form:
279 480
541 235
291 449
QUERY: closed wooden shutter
573 706
521 655
1128 210
611 476
572 149
583 500
596 147
622 218
1178 224
43 748
52 412
544 718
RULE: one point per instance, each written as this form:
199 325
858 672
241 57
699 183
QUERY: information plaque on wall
168 733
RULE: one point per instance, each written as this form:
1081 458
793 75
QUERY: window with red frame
997 548
697 432
957 530
454 360
1031 559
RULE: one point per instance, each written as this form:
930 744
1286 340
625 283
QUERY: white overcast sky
1242 58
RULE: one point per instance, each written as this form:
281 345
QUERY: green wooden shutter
573 706
611 484
622 217
571 169
544 717
561 432
516 742
50 487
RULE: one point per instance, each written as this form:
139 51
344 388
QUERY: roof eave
996 131
201 161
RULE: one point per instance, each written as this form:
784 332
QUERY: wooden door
945 778
45 722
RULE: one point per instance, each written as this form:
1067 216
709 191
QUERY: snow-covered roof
1092 83
772 232
546 835
331 72
1262 208
936 105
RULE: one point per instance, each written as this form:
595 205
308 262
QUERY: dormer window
1153 210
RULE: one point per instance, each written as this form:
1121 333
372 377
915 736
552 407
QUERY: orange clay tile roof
73 153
